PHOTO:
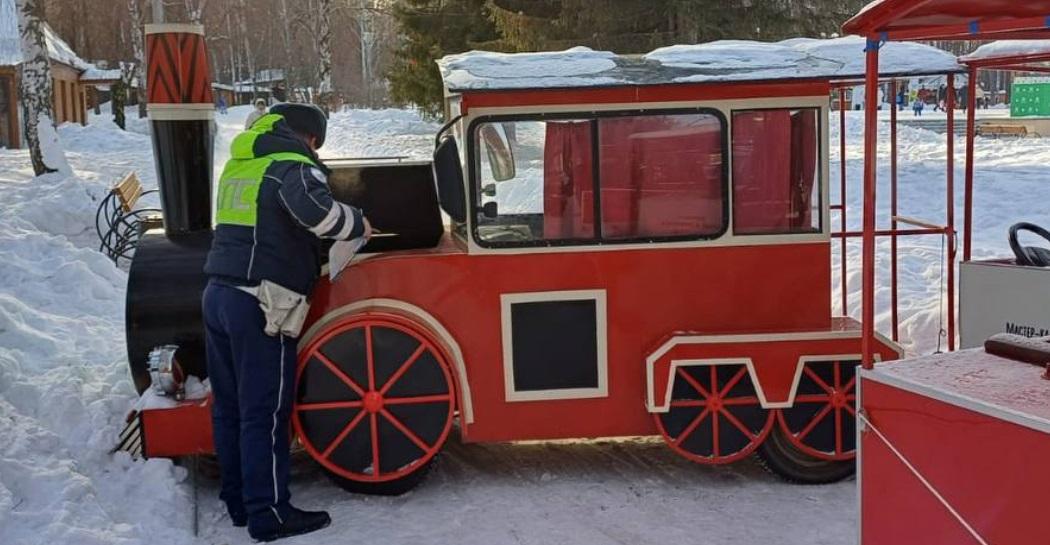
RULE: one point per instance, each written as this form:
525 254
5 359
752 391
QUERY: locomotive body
641 257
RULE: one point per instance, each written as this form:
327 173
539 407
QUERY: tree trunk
324 47
35 92
249 57
139 48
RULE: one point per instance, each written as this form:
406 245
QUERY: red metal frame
1014 63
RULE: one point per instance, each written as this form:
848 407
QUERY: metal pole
871 112
971 130
894 318
951 212
842 197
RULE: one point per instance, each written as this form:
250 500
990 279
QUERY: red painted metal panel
650 294
180 431
987 469
654 93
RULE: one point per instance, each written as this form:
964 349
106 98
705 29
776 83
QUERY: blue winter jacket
273 208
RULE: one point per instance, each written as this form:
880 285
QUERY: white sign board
1000 297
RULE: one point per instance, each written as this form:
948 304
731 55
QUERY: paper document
340 254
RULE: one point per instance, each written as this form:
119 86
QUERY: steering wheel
1030 256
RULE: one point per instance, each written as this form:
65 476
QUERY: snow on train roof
721 61
1008 48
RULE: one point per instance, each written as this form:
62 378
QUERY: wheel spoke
692 426
416 399
714 431
405 431
838 374
689 403
852 412
339 373
342 435
374 421
401 370
736 401
693 382
849 385
739 425
813 423
370 359
838 431
732 382
328 405
820 382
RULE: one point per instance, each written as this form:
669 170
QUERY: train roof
727 61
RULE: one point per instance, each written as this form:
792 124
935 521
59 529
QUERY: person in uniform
273 209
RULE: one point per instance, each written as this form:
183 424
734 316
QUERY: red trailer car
636 246
953 446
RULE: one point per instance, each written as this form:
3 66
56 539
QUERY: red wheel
715 416
374 402
822 422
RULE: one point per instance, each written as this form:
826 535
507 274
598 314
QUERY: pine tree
432 29
36 93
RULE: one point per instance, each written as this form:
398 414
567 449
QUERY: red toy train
634 247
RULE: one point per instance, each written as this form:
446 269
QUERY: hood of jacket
271 134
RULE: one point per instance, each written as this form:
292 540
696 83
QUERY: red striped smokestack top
181 114
178 75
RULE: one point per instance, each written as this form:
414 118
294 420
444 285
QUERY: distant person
222 105
917 107
259 111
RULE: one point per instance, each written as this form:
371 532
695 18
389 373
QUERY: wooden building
71 78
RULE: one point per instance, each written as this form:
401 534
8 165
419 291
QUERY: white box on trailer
1000 297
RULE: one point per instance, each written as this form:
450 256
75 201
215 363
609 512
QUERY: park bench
118 222
999 131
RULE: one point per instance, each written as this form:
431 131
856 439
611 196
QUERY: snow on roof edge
1008 48
722 61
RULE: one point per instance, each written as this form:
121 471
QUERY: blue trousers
252 376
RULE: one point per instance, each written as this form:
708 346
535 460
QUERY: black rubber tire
395 487
779 456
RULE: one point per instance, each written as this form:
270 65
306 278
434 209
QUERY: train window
661 177
776 171
535 181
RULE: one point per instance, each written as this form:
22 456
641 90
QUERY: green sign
1030 99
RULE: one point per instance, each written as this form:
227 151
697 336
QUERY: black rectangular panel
555 345
396 198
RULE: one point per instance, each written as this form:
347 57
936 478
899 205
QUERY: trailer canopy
952 19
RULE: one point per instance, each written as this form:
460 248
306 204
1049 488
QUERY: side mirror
498 149
490 210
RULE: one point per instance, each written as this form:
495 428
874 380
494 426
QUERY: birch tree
195 10
139 50
324 48
36 93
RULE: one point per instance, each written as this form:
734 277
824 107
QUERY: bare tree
324 48
36 93
139 49
195 10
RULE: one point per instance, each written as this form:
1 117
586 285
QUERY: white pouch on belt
284 310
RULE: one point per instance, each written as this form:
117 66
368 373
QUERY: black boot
296 522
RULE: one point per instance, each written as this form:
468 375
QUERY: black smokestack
181 112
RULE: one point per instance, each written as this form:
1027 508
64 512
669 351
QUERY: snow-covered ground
64 387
